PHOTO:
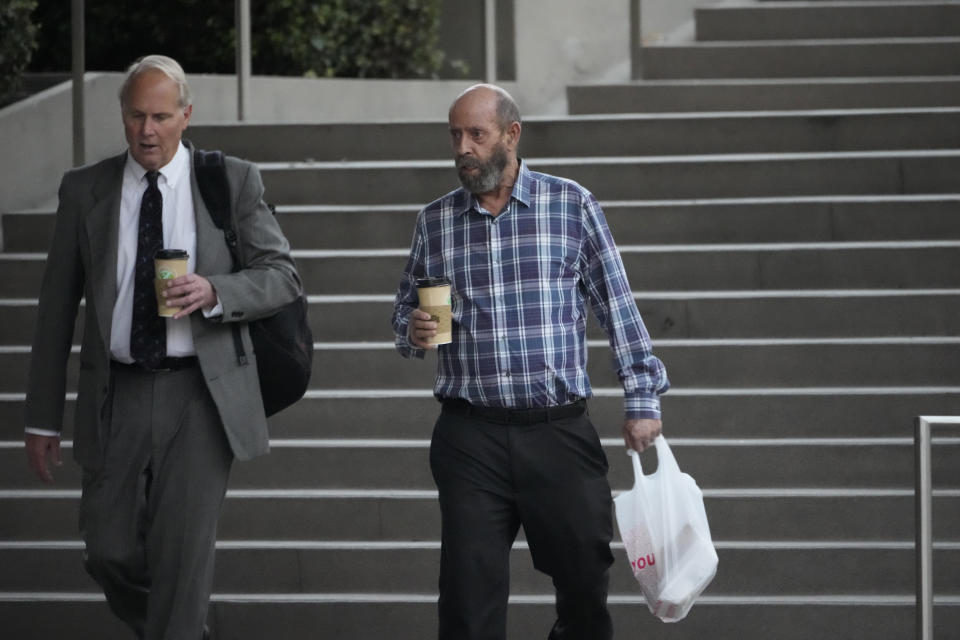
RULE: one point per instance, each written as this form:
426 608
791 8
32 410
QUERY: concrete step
842 412
668 315
682 268
819 20
413 617
697 413
652 178
705 94
630 135
735 267
807 514
801 219
693 316
882 57
694 364
746 569
691 364
715 463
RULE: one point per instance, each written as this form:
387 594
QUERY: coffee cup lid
433 281
171 254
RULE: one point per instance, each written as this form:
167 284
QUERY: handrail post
242 28
490 40
924 550
636 39
924 525
78 64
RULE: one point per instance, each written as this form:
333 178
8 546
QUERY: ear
513 135
186 115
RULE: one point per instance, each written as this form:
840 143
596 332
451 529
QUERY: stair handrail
924 519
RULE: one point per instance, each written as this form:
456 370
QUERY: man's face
478 175
153 119
481 150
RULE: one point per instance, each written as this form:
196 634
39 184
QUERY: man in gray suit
163 405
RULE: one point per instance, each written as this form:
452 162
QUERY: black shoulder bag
283 342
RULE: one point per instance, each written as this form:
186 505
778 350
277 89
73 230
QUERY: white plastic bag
664 529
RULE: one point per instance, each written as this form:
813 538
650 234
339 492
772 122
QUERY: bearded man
513 445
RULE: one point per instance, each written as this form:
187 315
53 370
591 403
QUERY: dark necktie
148 333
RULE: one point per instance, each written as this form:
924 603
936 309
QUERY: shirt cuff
42 432
215 312
405 345
640 405
406 349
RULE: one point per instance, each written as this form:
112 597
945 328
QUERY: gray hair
168 66
507 110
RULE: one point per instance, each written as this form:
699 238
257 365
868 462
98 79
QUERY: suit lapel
103 229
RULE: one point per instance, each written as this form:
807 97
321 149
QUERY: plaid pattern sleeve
521 282
642 374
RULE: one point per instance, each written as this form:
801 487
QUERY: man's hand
190 292
41 451
421 328
639 433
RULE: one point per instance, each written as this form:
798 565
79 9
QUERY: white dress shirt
179 232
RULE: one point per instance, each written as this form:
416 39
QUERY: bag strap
215 190
638 476
665 460
211 175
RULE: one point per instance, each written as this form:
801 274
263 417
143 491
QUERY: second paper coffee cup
434 294
168 264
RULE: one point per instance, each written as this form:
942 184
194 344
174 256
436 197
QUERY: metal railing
924 507
78 65
636 40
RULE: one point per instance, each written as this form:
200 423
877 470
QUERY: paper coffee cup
168 264
434 296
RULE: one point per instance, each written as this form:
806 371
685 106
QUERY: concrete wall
556 47
38 140
668 20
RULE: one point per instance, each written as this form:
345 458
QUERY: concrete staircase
784 192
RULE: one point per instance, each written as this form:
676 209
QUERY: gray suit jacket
83 263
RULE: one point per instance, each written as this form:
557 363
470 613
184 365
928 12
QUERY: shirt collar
172 172
520 192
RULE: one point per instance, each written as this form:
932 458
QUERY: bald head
490 97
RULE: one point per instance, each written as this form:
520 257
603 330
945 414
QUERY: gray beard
490 174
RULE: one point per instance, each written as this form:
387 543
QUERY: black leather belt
167 364
503 415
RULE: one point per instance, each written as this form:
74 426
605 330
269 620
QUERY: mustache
466 162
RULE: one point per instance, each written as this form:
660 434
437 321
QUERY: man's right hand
41 451
421 328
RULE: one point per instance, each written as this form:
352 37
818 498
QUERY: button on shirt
520 281
179 232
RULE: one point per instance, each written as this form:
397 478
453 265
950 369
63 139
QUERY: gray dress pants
148 516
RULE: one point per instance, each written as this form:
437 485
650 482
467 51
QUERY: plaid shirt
519 283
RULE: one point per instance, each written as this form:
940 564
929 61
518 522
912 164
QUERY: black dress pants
551 478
